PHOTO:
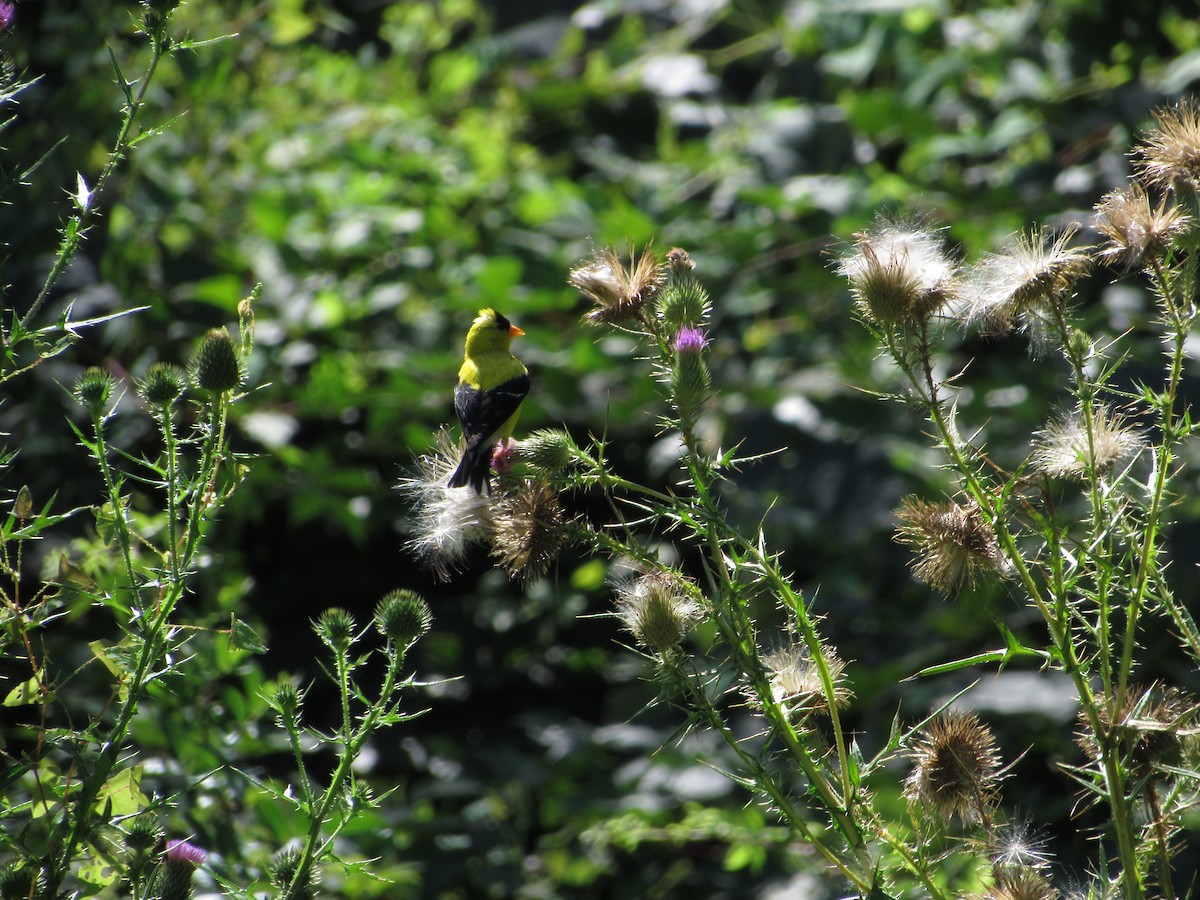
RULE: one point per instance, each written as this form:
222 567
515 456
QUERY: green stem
80 222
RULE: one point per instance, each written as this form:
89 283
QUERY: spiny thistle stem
74 232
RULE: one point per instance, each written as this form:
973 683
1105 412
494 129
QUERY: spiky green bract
336 628
174 880
286 702
217 365
283 869
20 882
548 450
144 832
402 616
683 302
92 390
162 385
691 382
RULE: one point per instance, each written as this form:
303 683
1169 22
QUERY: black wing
481 413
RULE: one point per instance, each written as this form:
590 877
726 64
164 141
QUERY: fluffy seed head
1016 845
92 390
402 616
217 366
1005 290
1169 156
957 768
657 610
448 524
619 293
162 385
1134 229
796 682
954 544
1066 449
899 274
530 528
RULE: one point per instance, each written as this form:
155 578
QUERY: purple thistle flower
690 340
8 12
504 455
183 852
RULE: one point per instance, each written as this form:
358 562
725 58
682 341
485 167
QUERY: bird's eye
502 323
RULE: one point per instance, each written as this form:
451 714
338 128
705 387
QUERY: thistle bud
284 867
93 389
683 303
217 367
174 881
144 833
336 627
402 616
163 385
286 701
691 383
548 450
21 882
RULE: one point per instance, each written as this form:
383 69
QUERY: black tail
474 469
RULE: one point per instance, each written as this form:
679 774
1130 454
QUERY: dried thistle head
619 293
1021 884
1169 156
448 523
953 543
956 768
796 681
900 274
1066 449
1152 728
1134 229
529 528
657 609
1004 291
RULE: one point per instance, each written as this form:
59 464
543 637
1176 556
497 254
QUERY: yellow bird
491 385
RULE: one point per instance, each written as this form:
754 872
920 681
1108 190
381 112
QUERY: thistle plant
401 618
1075 532
75 789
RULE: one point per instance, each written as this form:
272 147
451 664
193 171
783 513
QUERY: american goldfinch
491 385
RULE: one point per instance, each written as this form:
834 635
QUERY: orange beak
514 331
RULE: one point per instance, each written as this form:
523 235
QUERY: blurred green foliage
385 170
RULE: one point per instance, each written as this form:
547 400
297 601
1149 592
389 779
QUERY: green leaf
28 692
243 637
98 873
123 792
